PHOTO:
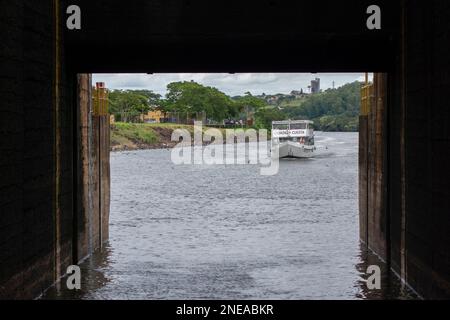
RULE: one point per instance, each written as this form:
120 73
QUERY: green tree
248 105
265 116
249 102
332 110
153 99
127 105
191 98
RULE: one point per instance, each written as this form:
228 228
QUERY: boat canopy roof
293 122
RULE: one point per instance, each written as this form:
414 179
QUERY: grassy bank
136 136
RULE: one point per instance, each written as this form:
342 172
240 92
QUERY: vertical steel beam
57 140
403 251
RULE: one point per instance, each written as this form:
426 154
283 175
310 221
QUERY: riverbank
138 136
141 136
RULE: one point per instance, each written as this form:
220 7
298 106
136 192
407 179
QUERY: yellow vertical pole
100 103
100 97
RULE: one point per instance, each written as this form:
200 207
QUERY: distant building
315 85
298 94
154 116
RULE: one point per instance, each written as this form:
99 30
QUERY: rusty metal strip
403 251
57 141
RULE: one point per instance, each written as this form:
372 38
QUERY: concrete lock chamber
54 153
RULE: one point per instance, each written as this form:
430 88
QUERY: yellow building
153 117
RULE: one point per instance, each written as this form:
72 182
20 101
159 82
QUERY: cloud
231 84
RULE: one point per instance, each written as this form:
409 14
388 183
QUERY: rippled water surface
226 232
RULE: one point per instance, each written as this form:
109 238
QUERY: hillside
331 110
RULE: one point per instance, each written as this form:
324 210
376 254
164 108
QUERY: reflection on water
226 232
392 288
93 278
94 273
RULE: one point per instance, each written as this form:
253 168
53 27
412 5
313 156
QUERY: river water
227 232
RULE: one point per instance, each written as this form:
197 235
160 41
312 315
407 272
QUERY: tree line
187 98
332 110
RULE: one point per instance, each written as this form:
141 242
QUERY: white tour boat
293 139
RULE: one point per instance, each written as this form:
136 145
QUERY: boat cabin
299 131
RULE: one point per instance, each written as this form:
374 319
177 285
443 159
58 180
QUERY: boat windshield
297 126
281 126
307 141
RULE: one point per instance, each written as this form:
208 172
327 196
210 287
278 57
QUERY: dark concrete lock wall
43 218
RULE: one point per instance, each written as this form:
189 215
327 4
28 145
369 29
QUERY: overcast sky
231 84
